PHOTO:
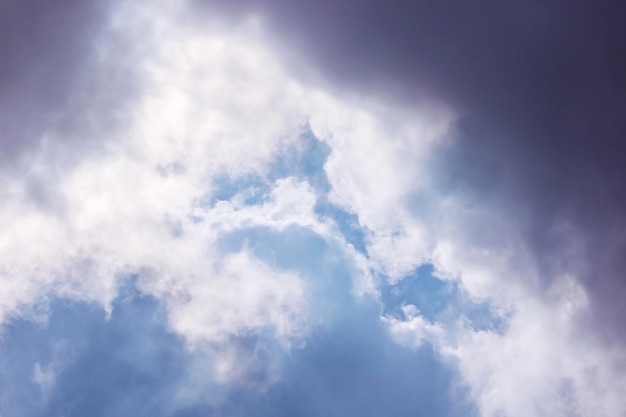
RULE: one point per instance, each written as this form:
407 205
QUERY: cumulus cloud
208 104
544 364
138 206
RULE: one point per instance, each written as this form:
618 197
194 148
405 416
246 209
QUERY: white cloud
414 330
378 159
45 374
544 364
208 103
44 377
237 295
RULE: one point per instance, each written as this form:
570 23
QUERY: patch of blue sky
438 301
352 368
127 364
252 189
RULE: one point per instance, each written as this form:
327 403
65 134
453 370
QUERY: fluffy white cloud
378 160
207 104
544 364
544 361
414 330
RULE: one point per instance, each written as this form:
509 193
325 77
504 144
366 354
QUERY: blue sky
130 364
311 208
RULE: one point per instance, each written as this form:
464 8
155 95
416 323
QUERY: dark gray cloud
541 88
49 66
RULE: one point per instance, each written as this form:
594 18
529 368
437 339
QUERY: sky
314 208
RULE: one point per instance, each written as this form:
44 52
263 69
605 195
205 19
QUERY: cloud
141 202
526 200
128 208
445 146
414 330
537 91
378 160
546 357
